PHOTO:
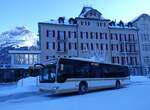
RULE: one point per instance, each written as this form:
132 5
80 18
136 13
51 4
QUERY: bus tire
83 88
118 84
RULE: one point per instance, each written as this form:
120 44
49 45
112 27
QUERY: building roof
86 11
137 18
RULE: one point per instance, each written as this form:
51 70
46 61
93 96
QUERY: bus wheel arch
83 87
118 84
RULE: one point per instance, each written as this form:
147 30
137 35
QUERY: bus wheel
118 84
83 88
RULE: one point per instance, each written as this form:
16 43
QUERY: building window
117 47
87 35
69 46
47 45
81 35
75 46
58 46
112 47
106 36
91 35
81 46
91 46
101 46
111 36
101 36
47 57
120 37
87 46
116 37
106 46
69 36
53 45
97 46
50 33
104 24
96 35
81 22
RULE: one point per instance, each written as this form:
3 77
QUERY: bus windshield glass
48 74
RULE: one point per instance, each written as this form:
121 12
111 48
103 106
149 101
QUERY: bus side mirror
61 67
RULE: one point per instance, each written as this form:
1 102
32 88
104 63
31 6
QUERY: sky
29 12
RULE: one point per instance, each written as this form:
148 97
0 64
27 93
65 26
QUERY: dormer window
61 20
121 24
72 21
129 24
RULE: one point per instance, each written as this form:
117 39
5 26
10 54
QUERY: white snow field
132 97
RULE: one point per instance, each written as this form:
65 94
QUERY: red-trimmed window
75 46
120 37
117 47
47 45
81 46
91 46
69 46
87 46
87 35
97 46
125 37
101 36
75 35
69 34
111 37
112 47
53 45
129 38
58 44
116 37
106 36
64 46
81 35
58 35
106 46
96 35
101 46
91 35
53 33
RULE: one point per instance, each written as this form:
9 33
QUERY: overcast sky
29 12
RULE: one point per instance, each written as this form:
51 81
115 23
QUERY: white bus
74 74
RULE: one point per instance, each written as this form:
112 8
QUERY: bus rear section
69 75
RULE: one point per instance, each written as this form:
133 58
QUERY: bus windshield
48 74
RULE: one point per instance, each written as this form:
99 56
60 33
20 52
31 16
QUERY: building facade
91 35
143 25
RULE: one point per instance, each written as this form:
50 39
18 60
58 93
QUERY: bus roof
90 60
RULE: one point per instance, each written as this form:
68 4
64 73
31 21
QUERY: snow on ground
24 85
132 97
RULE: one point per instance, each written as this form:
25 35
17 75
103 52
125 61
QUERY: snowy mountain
18 37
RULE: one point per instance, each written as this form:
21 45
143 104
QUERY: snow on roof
54 21
122 27
84 11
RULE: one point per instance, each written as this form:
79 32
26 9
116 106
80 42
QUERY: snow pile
26 85
28 82
135 79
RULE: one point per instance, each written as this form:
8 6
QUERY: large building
91 35
143 25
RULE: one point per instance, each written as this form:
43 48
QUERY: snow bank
139 79
27 82
26 85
